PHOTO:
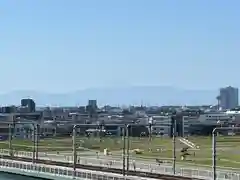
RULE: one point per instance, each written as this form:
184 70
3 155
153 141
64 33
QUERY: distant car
3 138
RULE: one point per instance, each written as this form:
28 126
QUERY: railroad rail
103 169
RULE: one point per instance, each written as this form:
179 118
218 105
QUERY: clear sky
67 45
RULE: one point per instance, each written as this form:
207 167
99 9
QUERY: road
116 162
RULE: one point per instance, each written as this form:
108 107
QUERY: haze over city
67 46
136 95
120 90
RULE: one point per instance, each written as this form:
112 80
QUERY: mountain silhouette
146 95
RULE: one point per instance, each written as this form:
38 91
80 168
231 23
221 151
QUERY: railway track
103 169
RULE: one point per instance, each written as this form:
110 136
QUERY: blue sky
61 46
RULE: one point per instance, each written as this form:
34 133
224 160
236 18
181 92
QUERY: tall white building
228 97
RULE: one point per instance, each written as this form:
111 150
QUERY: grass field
228 148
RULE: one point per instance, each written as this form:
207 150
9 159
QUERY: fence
54 172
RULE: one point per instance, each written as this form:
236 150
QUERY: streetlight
214 162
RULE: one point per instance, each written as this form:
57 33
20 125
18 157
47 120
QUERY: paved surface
140 165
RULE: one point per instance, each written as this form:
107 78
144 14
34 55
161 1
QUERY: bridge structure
49 161
52 172
56 170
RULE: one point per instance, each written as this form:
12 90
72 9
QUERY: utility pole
34 142
37 140
214 146
128 147
10 140
174 142
74 152
124 151
150 122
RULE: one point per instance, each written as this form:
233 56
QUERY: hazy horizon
149 95
62 46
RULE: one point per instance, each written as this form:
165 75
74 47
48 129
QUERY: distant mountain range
146 95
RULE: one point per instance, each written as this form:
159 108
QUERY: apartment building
161 125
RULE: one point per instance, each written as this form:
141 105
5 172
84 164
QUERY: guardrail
54 172
139 174
143 167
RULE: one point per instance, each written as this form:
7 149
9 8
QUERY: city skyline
155 95
58 46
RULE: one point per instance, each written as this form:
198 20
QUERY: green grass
228 152
44 145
